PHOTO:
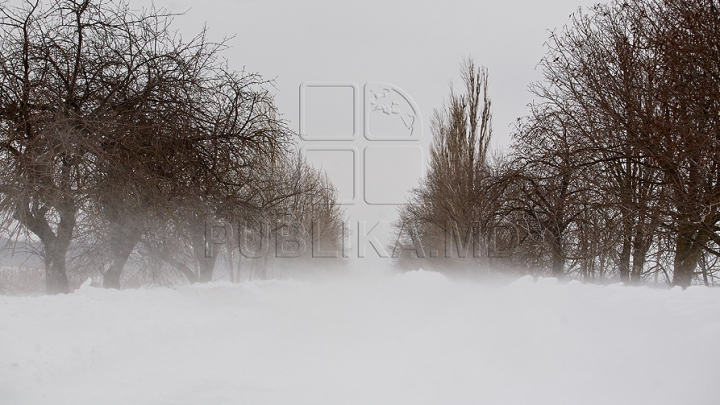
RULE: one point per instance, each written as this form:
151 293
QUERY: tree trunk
56 245
124 236
56 281
558 257
624 263
558 265
687 255
231 265
207 265
120 254
640 247
200 250
703 268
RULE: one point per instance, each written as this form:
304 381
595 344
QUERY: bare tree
301 210
58 74
637 81
107 113
453 207
553 192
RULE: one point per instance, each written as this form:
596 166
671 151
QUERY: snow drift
415 338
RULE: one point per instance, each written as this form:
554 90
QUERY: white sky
415 45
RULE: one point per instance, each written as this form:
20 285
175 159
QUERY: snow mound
415 338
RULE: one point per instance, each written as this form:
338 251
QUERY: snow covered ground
415 338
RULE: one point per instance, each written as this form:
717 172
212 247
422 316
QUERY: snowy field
416 338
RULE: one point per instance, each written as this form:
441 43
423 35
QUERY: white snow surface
412 338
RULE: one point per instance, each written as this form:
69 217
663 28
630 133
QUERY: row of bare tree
615 172
118 137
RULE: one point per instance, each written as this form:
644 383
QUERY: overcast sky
417 46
